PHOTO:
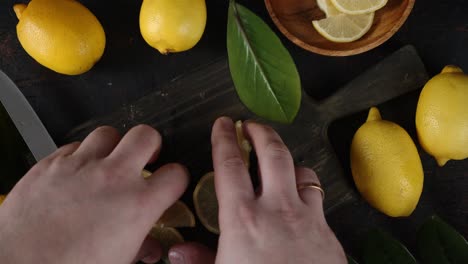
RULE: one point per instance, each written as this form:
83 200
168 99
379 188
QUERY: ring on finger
311 185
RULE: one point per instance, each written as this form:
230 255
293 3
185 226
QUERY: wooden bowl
294 19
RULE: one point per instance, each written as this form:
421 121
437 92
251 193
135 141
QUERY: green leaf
263 71
381 248
351 260
439 243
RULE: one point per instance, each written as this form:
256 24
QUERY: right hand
278 223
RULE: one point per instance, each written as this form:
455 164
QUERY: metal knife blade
25 119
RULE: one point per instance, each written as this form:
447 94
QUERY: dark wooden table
130 69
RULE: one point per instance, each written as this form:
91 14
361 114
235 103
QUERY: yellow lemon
64 36
386 166
172 25
442 116
178 215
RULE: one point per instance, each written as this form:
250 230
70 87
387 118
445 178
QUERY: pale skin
87 203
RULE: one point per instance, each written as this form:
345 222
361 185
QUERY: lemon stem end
441 161
452 69
19 8
374 114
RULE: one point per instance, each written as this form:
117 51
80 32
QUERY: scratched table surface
130 69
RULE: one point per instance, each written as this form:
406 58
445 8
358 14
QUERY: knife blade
24 117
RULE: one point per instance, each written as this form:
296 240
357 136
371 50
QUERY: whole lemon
62 35
386 166
442 116
172 25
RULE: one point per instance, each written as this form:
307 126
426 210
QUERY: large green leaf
264 74
381 248
439 243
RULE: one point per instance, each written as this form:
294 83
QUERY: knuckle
41 166
277 150
233 163
294 220
107 130
290 215
246 215
58 162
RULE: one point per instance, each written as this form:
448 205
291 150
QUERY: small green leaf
351 260
263 71
381 248
439 243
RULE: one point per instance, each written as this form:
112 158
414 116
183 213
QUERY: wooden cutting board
188 105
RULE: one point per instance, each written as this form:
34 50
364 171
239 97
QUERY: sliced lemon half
358 7
328 8
206 203
344 28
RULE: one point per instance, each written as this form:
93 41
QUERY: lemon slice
344 28
178 215
167 237
357 7
206 203
2 197
146 174
328 8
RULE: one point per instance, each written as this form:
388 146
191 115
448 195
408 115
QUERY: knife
27 122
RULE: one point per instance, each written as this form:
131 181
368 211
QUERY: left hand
88 203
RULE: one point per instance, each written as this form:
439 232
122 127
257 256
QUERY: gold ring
311 185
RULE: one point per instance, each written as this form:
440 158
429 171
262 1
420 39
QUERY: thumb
191 253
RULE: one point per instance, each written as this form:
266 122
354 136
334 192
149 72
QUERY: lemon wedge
178 215
358 7
206 203
344 28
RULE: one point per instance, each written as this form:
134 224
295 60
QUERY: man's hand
88 203
277 223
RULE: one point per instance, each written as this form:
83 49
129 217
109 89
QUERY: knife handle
396 75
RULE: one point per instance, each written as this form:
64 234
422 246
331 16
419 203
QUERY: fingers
65 150
150 251
137 147
99 144
310 196
165 187
232 179
274 160
191 253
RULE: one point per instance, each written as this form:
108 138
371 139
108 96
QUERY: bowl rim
339 53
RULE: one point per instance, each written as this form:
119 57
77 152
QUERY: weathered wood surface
131 69
187 106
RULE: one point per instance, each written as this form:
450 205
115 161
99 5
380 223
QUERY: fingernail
150 259
226 123
176 257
